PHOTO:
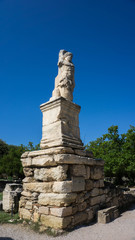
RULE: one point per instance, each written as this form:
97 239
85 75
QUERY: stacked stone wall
61 189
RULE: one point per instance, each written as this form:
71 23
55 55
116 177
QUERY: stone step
108 214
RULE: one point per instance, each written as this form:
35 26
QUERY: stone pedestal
60 125
63 187
63 184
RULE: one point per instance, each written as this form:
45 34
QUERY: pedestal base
60 124
61 190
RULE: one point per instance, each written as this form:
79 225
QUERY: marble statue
64 82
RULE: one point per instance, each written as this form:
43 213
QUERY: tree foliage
3 148
118 152
10 164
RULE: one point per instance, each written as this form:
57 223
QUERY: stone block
94 200
95 192
78 184
101 183
53 199
75 209
38 187
96 184
58 173
103 218
80 152
35 217
51 151
87 172
55 222
115 201
82 206
22 202
26 194
29 180
60 124
89 154
101 191
78 171
102 198
89 185
25 154
95 209
28 205
98 162
116 213
96 173
44 160
34 195
80 197
24 213
89 211
87 195
79 218
62 187
26 162
61 212
28 172
108 214
44 210
73 159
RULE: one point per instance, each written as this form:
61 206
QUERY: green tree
118 152
31 147
128 153
11 164
10 155
3 148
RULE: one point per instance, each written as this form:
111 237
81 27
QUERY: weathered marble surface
64 82
60 125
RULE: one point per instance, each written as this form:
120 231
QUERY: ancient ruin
63 185
11 197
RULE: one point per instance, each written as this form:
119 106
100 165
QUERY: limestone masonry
63 185
11 196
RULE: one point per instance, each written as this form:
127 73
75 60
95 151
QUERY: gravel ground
123 228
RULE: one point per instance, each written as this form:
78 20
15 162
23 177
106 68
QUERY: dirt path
123 228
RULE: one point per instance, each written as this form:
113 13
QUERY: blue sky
101 36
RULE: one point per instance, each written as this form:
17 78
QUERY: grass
7 218
54 233
35 226
1 196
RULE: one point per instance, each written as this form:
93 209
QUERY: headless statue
64 82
